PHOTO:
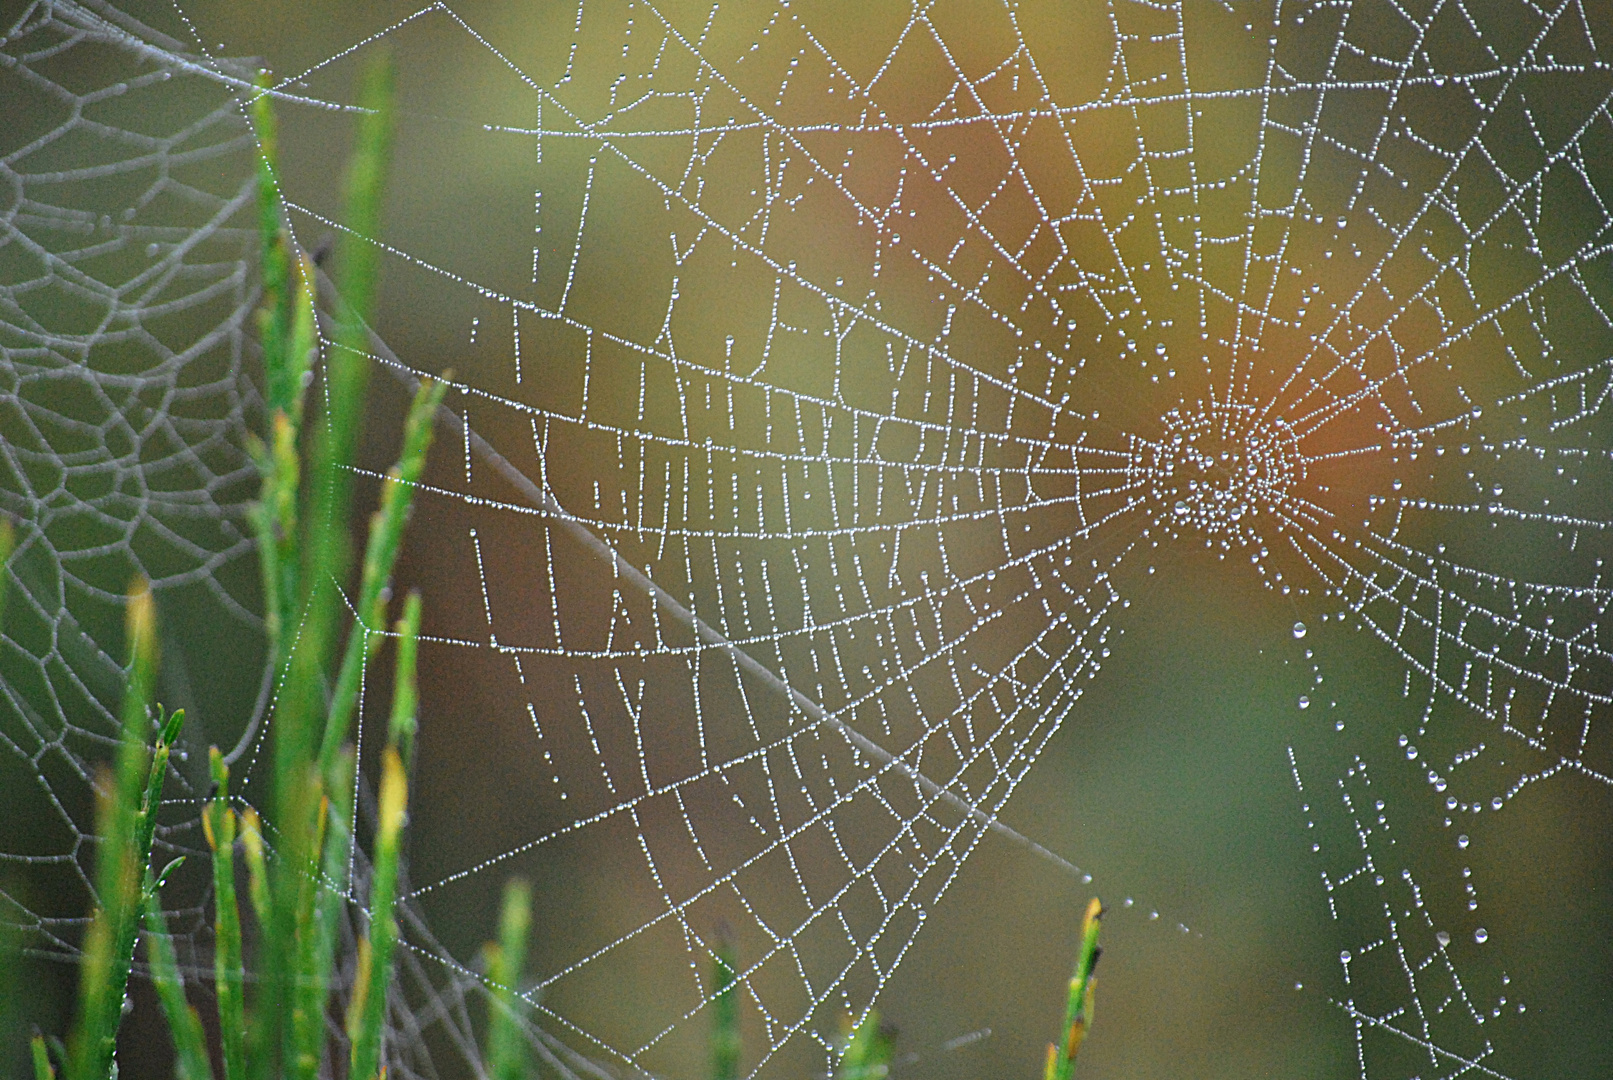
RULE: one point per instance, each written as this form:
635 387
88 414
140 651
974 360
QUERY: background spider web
125 245
834 381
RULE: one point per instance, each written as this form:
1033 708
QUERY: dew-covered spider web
125 289
838 383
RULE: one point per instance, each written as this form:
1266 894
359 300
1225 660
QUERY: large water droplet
1481 935
1181 506
1299 629
1304 702
1461 841
1443 938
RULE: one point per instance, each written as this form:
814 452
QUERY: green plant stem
121 859
380 556
257 872
184 1022
326 897
274 517
218 822
405 720
274 317
506 1045
285 359
304 1014
335 439
1078 1005
302 931
275 521
43 1069
366 1019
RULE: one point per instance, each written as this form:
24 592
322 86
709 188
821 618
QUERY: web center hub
1217 468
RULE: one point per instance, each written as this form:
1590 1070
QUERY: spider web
851 373
124 287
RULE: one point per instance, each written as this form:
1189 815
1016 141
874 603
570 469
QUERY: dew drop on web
1299 630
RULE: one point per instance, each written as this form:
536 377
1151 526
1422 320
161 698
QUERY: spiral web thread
942 344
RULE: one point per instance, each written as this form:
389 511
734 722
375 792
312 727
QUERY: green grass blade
306 996
304 339
405 720
119 864
380 556
506 1043
320 926
367 1015
151 797
366 1019
274 518
366 185
725 1044
184 1023
347 369
251 833
265 1031
300 713
218 822
274 315
43 1069
1078 1005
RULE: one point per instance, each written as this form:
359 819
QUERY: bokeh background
1170 782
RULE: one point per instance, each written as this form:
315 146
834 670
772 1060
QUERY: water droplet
1304 702
1344 957
1497 803
1443 938
1461 841
1481 935
1299 629
1181 506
